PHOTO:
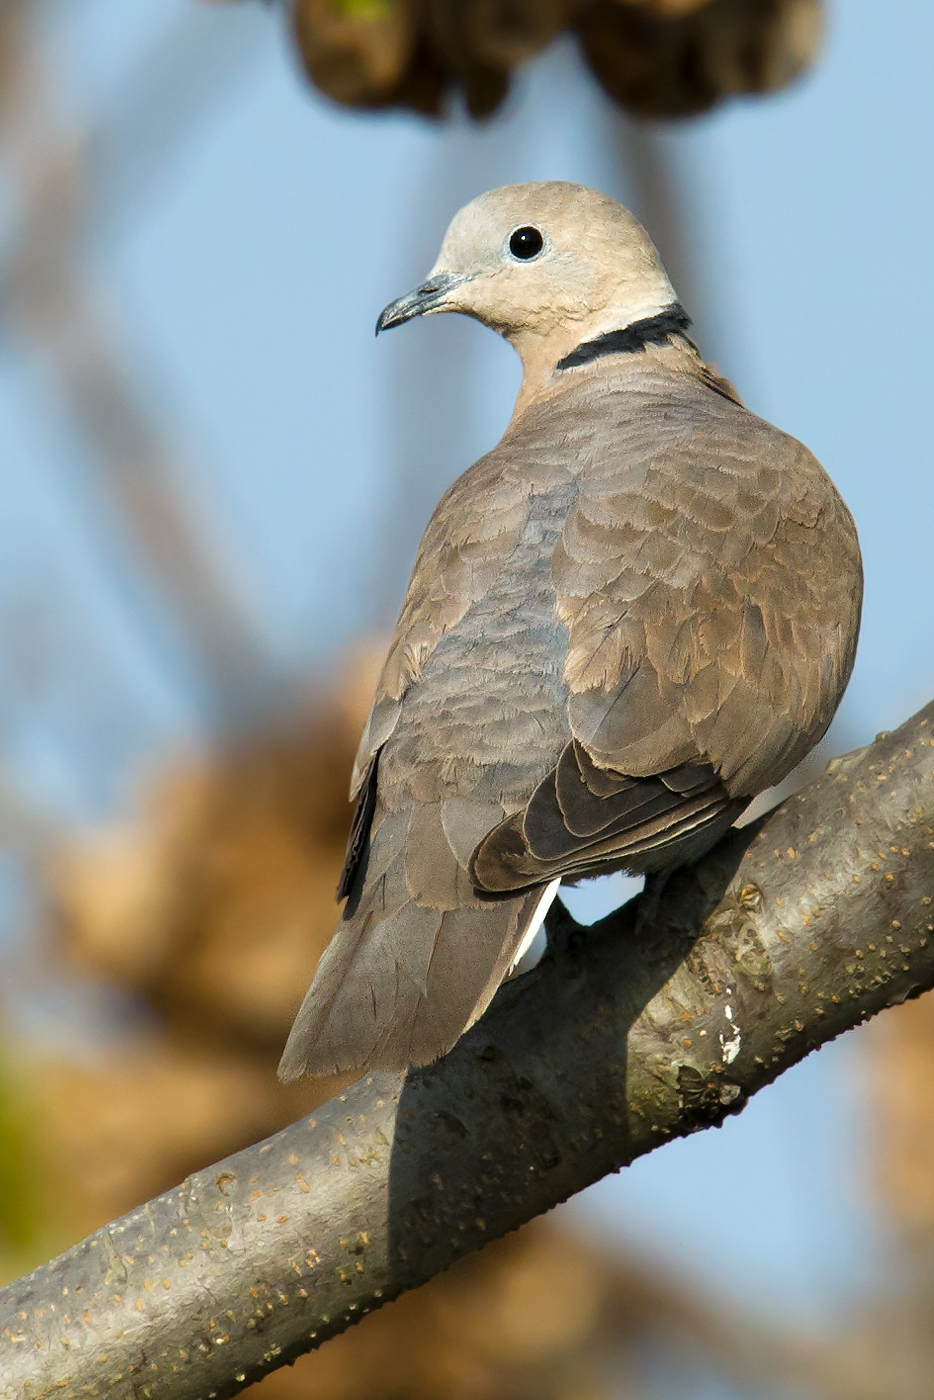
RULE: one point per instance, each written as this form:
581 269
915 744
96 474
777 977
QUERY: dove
635 613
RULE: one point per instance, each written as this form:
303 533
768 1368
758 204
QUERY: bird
634 614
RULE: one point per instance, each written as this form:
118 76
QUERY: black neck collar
653 330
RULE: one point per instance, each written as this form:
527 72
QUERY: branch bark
660 1021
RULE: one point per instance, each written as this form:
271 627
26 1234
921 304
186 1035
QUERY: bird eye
526 242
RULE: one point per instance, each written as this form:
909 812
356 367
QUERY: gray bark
659 1021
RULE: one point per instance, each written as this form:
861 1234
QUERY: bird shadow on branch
610 971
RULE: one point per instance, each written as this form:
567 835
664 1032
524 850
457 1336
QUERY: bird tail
404 977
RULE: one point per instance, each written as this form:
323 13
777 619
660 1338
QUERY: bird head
547 265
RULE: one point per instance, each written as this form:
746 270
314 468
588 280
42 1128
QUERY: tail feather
402 980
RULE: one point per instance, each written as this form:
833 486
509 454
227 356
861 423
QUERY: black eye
526 242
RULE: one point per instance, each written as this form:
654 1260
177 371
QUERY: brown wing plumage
637 612
709 577
582 820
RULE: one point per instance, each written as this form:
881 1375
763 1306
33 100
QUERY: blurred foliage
216 905
209 912
902 1081
19 1195
656 58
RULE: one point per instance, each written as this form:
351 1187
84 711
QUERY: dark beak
428 297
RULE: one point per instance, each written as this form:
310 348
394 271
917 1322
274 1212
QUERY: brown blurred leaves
215 906
529 1319
657 58
902 1084
210 912
676 60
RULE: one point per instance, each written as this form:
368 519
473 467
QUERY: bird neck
546 363
628 340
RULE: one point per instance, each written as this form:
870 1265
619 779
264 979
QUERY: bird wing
708 575
458 732
711 591
471 535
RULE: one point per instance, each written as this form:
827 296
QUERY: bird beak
430 296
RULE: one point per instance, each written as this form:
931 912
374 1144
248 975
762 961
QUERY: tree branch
661 1020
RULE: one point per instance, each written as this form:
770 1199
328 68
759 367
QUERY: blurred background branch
67 185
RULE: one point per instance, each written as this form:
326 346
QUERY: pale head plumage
597 271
